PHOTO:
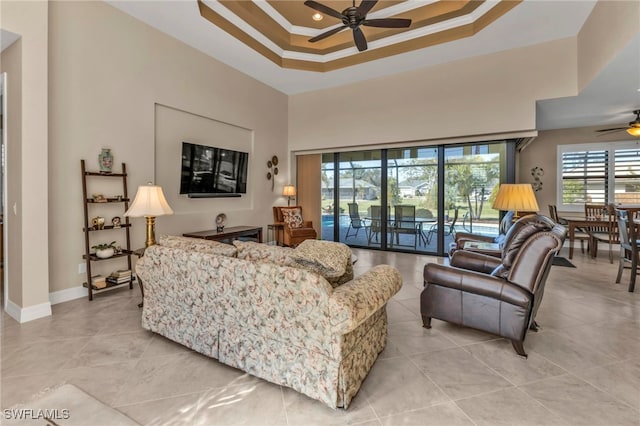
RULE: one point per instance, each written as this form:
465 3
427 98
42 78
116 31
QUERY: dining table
584 222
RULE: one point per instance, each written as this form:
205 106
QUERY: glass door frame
507 176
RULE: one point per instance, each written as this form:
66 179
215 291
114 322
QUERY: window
598 173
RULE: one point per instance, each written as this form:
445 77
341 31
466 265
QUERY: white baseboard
68 294
29 313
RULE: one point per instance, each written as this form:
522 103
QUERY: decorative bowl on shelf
105 253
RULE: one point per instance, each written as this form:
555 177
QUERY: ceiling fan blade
366 6
609 130
358 37
327 34
323 9
387 23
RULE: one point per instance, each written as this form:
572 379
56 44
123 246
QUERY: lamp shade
289 191
149 201
634 131
516 197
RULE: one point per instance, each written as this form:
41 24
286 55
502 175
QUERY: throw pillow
293 217
330 259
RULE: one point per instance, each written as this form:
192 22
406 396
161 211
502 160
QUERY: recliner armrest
474 261
466 236
476 283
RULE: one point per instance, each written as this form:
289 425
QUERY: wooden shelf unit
88 229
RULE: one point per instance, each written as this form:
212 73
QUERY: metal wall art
273 171
537 173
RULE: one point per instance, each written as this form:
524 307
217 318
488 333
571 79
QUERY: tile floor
583 366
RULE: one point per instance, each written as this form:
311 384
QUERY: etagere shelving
91 204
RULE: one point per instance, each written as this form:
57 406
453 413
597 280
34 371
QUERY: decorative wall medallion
273 170
537 173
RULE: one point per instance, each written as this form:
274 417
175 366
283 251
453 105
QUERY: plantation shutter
584 177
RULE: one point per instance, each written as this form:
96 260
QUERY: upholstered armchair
496 295
293 229
462 237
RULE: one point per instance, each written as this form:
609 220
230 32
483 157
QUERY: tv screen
209 171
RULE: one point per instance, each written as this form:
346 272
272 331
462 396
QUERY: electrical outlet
82 268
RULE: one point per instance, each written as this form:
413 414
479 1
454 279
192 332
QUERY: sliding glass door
472 175
412 196
411 199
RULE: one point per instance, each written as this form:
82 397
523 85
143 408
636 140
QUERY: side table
274 231
140 252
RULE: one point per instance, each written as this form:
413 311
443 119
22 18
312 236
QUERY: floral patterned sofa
294 317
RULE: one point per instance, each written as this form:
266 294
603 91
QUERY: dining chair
579 235
602 233
628 247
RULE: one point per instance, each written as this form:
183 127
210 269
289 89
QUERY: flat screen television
213 172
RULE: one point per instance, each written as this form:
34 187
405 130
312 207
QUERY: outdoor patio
366 236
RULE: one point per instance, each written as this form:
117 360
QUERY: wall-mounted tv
213 172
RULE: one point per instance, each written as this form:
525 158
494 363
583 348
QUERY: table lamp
516 197
289 191
150 203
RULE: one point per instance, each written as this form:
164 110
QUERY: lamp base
151 231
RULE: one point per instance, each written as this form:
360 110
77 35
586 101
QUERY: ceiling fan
352 17
633 129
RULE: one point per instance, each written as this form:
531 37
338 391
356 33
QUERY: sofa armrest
476 283
355 301
474 261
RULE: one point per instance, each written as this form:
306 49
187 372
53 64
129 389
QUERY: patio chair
375 220
356 223
450 226
405 223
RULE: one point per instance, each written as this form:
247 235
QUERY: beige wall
488 94
108 72
11 63
607 31
543 152
28 190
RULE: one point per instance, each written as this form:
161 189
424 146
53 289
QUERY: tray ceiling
280 30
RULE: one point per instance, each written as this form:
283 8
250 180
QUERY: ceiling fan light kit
633 129
353 17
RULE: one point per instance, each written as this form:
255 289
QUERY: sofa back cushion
328 259
258 252
197 244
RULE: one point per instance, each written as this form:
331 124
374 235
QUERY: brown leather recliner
291 236
497 295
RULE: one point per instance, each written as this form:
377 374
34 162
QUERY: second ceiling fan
353 17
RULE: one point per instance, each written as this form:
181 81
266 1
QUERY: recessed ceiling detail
280 29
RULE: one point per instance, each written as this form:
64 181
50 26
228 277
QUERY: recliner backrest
519 232
506 223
